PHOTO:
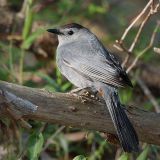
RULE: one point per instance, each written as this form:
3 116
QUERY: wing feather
93 66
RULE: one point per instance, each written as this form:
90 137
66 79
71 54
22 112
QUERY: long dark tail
126 133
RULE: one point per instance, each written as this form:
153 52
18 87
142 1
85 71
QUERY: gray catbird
85 62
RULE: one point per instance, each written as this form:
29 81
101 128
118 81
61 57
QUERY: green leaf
59 76
50 88
93 9
35 146
66 86
64 143
144 154
124 156
3 74
29 40
48 79
5 121
126 95
80 157
28 20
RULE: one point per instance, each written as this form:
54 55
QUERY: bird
86 63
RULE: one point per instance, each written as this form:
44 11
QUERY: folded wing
96 67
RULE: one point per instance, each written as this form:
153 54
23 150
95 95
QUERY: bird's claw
86 94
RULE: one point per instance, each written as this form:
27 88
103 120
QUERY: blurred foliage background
27 57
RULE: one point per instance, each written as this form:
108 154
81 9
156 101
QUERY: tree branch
67 109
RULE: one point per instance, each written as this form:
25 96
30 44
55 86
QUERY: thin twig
120 46
126 60
50 139
151 12
135 20
148 93
139 32
14 77
144 50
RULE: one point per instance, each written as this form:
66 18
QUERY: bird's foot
76 90
90 94
86 94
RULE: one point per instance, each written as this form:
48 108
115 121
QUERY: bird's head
70 33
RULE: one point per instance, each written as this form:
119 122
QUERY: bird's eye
70 32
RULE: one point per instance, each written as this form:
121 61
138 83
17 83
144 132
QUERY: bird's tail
125 131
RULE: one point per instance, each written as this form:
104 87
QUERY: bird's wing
94 66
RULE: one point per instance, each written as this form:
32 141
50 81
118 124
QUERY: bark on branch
67 109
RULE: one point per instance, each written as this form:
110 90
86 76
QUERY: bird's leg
76 90
86 94
91 93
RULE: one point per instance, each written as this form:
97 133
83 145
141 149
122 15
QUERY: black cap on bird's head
67 26
72 25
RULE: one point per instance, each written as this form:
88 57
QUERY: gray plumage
84 61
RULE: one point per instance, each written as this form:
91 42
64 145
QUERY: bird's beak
55 31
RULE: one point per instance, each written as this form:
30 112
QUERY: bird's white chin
64 40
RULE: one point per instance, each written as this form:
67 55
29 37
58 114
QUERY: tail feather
126 133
